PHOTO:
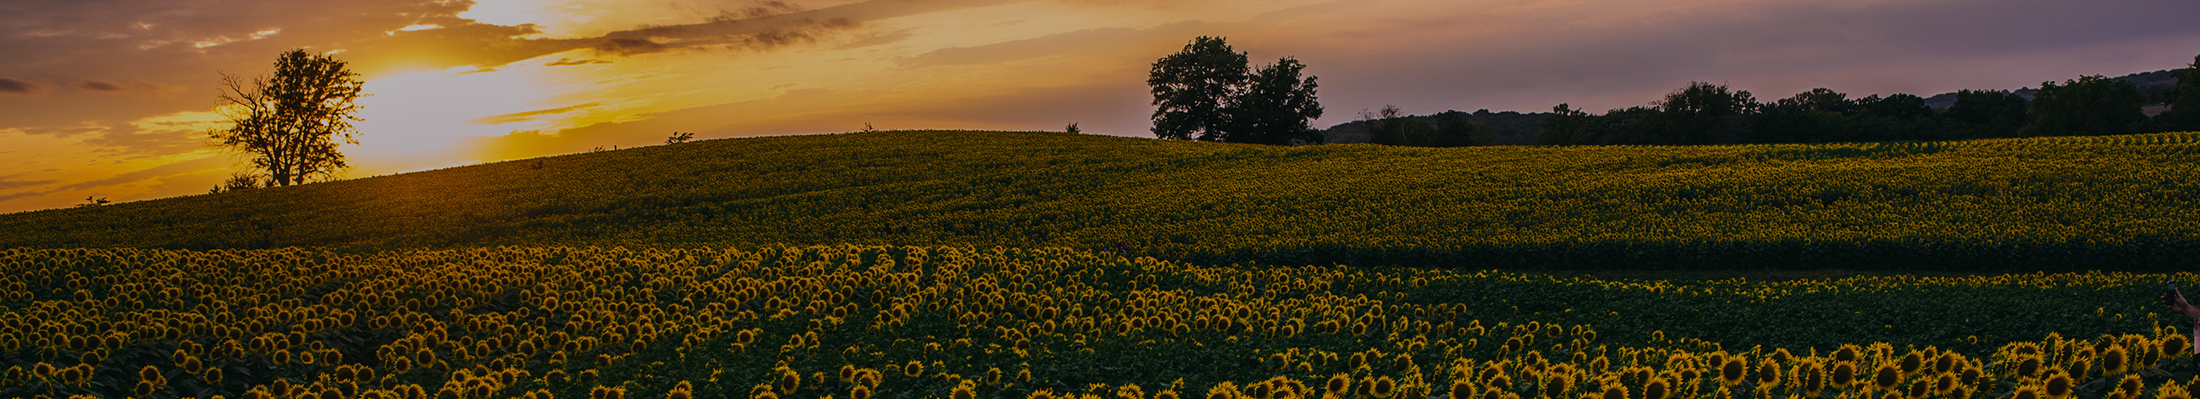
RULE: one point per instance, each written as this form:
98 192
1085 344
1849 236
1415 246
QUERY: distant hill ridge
2113 202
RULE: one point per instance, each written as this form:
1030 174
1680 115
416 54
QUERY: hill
2116 202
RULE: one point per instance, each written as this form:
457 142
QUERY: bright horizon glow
113 99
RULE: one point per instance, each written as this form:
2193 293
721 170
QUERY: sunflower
1338 384
1384 387
1810 377
2032 391
913 369
1911 363
1887 377
1041 394
1657 388
2029 366
789 380
1613 392
1848 353
1733 370
2172 390
1944 383
1224 390
2132 385
1461 389
2058 385
2115 360
1555 387
964 390
1768 374
1918 389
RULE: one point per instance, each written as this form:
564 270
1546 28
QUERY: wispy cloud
15 86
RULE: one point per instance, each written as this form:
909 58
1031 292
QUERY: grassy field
864 322
2068 203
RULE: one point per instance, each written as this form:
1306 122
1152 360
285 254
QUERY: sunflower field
2061 203
866 321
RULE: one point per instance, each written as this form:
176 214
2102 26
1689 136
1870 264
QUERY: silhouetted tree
1701 113
2184 109
1452 129
238 181
2087 106
1194 87
289 123
679 137
1383 126
1988 113
1275 107
1565 126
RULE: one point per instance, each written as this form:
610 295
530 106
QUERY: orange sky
111 98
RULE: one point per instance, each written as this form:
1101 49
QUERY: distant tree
1072 128
1565 126
2184 109
1702 113
1383 126
89 201
1452 129
1193 89
679 137
1987 113
1275 107
290 123
2087 106
239 181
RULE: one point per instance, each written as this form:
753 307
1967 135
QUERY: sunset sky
112 98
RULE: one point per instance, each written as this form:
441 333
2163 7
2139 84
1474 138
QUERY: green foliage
2088 106
1989 113
1204 92
2184 112
1276 107
1193 89
811 321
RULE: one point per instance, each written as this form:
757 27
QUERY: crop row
865 322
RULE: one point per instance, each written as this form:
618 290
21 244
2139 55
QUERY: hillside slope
2053 203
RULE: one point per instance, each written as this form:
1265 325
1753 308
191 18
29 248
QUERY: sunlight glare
427 119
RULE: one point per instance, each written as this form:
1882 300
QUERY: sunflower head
1225 390
1613 392
1810 378
1768 374
2032 391
1912 362
1461 389
2030 366
1946 362
1657 388
1733 370
2058 385
2115 360
1338 384
1556 387
964 390
1887 377
1384 387
1917 389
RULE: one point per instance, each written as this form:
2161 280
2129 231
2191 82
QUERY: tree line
1705 113
1207 92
